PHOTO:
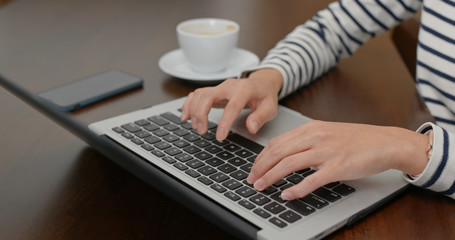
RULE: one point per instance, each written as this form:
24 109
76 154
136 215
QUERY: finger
278 148
308 185
206 99
232 110
186 108
263 113
286 167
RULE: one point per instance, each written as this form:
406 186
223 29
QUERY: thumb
263 113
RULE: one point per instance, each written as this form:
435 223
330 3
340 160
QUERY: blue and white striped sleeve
439 174
313 48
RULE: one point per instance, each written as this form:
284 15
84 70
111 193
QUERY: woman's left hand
340 151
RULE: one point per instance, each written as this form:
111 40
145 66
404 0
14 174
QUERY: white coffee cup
208 43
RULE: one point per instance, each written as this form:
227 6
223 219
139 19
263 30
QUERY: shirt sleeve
334 33
439 174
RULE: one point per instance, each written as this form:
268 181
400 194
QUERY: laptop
209 177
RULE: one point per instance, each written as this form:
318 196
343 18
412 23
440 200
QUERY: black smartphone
85 91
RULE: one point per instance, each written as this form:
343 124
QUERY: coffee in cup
208 43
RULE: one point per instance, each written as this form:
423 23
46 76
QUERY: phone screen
82 92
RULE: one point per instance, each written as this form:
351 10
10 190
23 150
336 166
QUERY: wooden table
53 186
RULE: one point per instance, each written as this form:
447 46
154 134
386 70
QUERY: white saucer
175 64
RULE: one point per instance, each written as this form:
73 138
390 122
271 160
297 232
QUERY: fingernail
250 178
287 196
254 125
182 117
259 184
199 128
193 123
221 134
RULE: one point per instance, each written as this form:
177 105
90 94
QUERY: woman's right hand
259 92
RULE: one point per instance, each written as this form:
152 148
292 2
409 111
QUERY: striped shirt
337 31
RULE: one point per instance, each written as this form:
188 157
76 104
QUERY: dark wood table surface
53 186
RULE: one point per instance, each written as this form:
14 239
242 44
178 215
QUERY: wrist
269 76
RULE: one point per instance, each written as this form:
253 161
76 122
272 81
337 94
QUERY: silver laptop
209 177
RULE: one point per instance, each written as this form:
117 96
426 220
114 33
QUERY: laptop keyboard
224 167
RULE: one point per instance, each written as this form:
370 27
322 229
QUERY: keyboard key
142 122
279 183
252 158
274 207
314 201
192 149
171 127
147 147
187 126
137 141
195 163
294 178
142 134
326 194
162 145
130 127
226 168
181 132
218 188
279 223
237 161
262 213
192 173
173 151
220 143
180 166
118 130
152 139
158 120
172 117
269 190
245 192
331 185
343 189
246 204
243 153
232 184
232 196
300 207
260 199
157 153
127 135
225 155
206 170
277 197
171 138
308 173
290 216
202 143
203 155
247 167
151 127
219 177
205 180
180 143
214 162
246 143
191 137
213 149
160 132
183 157
231 147
239 175
208 136
286 186
168 159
